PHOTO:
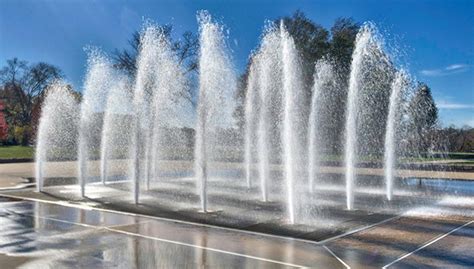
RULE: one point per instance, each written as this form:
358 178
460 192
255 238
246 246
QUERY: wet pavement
321 215
45 234
41 235
429 223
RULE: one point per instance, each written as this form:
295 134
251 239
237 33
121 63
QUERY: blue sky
435 38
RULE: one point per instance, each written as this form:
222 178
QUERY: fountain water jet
367 102
115 134
57 131
323 79
275 74
263 132
399 85
362 41
170 98
267 64
275 109
159 89
217 83
291 117
97 83
250 106
142 108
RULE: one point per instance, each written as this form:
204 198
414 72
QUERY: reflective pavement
39 234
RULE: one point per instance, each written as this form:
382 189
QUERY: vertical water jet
115 130
216 86
263 130
323 80
361 43
268 68
367 103
250 107
398 86
57 131
146 84
97 83
291 117
170 100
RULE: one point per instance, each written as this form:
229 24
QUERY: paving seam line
337 257
318 243
205 248
127 224
373 225
111 229
428 243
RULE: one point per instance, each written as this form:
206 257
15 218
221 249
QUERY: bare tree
186 49
13 71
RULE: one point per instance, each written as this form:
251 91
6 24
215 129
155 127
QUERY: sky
434 39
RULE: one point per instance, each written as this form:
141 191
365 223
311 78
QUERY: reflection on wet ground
41 235
321 215
37 234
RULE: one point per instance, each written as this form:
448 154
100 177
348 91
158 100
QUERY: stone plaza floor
48 234
42 230
38 234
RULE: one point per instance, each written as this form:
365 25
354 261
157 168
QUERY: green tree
423 118
343 35
312 42
336 45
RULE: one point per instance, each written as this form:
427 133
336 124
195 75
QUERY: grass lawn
25 152
16 152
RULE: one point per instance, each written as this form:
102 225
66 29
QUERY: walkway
51 234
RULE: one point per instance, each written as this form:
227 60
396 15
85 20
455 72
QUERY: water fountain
399 86
115 136
217 83
250 108
137 122
263 82
100 73
57 130
351 114
323 79
291 118
274 74
370 71
159 96
170 100
147 70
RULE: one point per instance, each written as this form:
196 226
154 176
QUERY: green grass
16 152
24 152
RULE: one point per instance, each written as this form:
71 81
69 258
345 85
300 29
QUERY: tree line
23 85
336 45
